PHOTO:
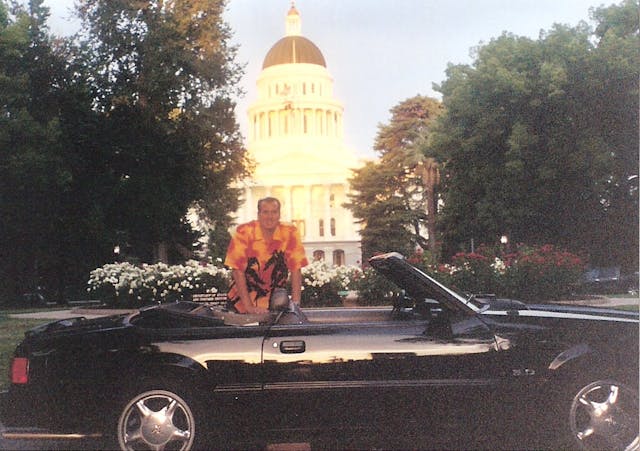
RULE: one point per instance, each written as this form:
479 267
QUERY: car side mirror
279 300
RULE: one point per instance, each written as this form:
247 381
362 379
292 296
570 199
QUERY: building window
318 255
321 227
338 257
333 226
299 223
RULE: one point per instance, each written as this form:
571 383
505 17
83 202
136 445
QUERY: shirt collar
277 233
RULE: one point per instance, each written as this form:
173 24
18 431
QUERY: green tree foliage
389 198
163 78
540 140
109 139
33 176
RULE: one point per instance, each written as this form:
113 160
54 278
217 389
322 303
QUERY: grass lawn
11 333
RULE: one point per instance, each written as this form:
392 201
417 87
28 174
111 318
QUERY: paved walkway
69 313
89 313
604 301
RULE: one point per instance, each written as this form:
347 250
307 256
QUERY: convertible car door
397 373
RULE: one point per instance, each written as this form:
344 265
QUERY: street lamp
504 241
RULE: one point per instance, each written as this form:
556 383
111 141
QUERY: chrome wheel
604 415
156 420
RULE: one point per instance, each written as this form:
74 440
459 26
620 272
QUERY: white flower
499 266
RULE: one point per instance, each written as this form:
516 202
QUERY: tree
163 78
109 140
33 176
389 199
540 140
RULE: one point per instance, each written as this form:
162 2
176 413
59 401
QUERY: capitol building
296 139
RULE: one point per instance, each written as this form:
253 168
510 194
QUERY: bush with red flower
541 273
538 273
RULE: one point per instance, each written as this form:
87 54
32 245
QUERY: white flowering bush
127 285
322 284
374 289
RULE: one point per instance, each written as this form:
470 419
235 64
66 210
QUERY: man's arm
296 286
243 292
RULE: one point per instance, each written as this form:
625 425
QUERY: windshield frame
398 270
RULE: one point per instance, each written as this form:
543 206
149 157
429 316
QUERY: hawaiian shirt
266 264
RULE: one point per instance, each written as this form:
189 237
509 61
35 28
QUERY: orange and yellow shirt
266 264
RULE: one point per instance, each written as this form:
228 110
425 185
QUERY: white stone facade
295 138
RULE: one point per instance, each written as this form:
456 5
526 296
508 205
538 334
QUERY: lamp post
504 241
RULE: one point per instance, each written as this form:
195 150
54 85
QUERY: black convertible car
436 370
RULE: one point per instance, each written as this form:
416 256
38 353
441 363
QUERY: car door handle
292 347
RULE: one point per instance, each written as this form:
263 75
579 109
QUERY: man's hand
257 310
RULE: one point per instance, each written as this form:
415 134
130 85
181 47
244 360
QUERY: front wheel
156 420
604 415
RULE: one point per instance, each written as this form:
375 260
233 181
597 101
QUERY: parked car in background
435 370
610 280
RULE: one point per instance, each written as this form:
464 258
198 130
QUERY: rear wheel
156 420
604 415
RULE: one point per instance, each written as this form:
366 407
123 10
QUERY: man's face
269 216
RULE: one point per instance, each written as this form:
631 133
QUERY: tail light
20 370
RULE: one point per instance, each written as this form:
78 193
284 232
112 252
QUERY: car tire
603 414
157 419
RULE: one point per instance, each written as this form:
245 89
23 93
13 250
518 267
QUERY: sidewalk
90 313
604 301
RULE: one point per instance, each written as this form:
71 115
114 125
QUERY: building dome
296 139
293 50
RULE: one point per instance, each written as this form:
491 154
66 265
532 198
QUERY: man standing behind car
261 255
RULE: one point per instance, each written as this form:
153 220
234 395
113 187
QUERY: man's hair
268 200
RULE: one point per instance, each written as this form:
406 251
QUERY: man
261 255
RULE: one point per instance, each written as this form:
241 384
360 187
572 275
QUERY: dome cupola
293 48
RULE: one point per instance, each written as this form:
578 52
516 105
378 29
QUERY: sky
379 52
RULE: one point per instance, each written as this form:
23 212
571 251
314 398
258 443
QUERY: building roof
294 50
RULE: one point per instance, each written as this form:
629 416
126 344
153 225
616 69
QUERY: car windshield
418 284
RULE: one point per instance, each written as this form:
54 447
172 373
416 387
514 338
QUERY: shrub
323 284
474 273
530 273
541 273
374 289
127 285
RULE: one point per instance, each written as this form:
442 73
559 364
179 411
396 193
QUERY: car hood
558 311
